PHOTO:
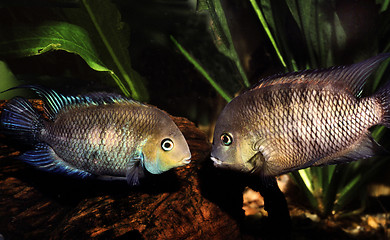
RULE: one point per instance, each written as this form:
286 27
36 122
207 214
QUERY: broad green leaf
110 35
26 40
106 19
8 80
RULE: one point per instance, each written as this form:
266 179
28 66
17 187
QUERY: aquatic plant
318 40
91 29
298 35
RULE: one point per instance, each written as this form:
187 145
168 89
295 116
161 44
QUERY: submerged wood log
192 202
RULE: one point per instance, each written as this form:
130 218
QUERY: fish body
302 119
97 135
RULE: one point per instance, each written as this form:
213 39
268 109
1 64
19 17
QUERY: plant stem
267 30
385 5
134 94
192 60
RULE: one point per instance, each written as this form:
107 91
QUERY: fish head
232 142
166 148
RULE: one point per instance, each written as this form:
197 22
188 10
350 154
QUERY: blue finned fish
97 135
297 120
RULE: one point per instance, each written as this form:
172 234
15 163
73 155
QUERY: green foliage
222 36
50 36
320 30
8 77
223 73
92 30
297 34
268 31
214 84
320 25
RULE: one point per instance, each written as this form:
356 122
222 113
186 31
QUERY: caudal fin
21 120
384 98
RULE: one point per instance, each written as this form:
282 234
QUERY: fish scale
296 120
80 138
289 125
98 135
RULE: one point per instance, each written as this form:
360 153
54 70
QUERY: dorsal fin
353 77
54 101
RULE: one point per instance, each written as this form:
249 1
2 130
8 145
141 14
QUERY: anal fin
43 157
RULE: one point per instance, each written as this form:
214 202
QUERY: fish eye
167 144
226 139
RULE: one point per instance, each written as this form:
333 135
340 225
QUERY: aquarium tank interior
189 58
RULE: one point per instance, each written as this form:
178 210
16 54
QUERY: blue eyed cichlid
297 120
100 135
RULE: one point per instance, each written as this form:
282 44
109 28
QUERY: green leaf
302 180
194 62
222 36
347 193
274 26
384 4
8 80
321 28
111 36
26 40
267 29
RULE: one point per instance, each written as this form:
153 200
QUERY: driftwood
192 202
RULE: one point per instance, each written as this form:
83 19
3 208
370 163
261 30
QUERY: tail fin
21 120
384 98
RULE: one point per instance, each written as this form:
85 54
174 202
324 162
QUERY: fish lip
187 160
216 161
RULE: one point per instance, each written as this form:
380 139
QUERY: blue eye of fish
226 139
167 144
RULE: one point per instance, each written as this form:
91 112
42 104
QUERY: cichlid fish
302 119
97 135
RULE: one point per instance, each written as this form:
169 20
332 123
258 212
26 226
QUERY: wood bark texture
196 201
39 205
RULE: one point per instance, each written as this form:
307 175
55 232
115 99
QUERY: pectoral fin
135 170
257 162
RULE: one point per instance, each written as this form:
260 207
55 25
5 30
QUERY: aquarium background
190 58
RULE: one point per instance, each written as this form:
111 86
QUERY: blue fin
352 77
54 101
21 120
43 157
135 170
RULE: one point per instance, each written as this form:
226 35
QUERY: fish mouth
220 164
186 160
216 161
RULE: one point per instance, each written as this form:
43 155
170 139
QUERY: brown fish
302 119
